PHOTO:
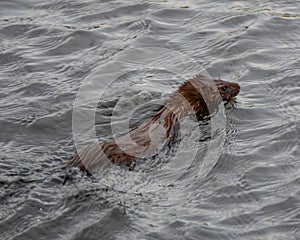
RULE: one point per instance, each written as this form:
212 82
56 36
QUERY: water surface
48 49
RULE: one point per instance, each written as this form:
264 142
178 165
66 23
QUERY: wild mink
195 96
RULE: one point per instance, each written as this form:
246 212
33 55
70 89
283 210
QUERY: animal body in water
196 96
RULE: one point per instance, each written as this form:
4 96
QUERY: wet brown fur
196 96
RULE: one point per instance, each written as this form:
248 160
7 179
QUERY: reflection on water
48 49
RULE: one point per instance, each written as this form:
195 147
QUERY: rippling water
47 50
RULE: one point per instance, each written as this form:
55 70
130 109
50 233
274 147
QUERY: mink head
204 94
228 90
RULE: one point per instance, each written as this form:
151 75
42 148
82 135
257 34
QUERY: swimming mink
196 96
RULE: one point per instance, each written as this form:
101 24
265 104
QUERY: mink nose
237 88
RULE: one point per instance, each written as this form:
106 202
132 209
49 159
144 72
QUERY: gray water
49 48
